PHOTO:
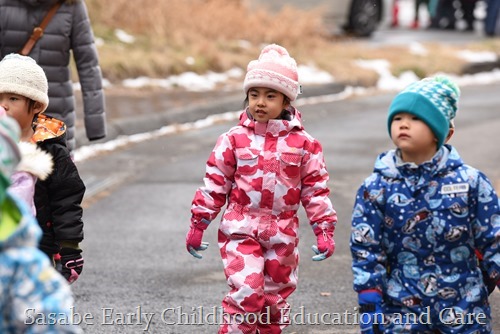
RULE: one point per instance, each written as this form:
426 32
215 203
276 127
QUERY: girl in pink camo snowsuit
265 166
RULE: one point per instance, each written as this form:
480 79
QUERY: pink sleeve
315 191
23 187
219 177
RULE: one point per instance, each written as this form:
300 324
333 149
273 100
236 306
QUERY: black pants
444 18
468 11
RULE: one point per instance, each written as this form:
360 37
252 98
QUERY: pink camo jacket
266 167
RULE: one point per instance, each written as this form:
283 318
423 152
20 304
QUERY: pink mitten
194 242
325 243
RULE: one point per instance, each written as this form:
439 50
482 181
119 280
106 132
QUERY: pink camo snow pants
260 256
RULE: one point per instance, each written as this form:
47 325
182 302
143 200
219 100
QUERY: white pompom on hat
274 69
23 76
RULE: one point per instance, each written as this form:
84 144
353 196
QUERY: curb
191 112
474 68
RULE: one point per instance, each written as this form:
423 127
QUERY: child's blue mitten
370 308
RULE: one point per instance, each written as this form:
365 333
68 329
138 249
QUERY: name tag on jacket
454 188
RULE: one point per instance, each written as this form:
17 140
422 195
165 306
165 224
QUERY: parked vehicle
358 17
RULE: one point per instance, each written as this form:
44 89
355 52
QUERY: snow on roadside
308 75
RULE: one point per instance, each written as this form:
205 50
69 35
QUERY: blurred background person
416 18
468 7
68 32
442 14
492 21
395 14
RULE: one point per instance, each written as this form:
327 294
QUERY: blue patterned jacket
415 230
34 297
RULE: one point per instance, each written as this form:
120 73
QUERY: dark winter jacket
58 198
68 31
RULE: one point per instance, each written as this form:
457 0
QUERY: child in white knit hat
418 222
58 193
31 289
264 167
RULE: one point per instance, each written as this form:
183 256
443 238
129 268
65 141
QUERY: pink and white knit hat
274 69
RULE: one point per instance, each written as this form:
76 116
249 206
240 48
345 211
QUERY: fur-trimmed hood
35 161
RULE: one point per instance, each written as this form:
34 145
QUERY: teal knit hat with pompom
434 100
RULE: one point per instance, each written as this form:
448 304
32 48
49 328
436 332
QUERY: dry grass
221 34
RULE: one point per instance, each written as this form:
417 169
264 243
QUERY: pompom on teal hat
434 100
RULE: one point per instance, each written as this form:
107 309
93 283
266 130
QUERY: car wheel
364 17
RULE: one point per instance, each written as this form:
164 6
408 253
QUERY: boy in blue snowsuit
418 222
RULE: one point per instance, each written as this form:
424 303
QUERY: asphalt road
138 276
